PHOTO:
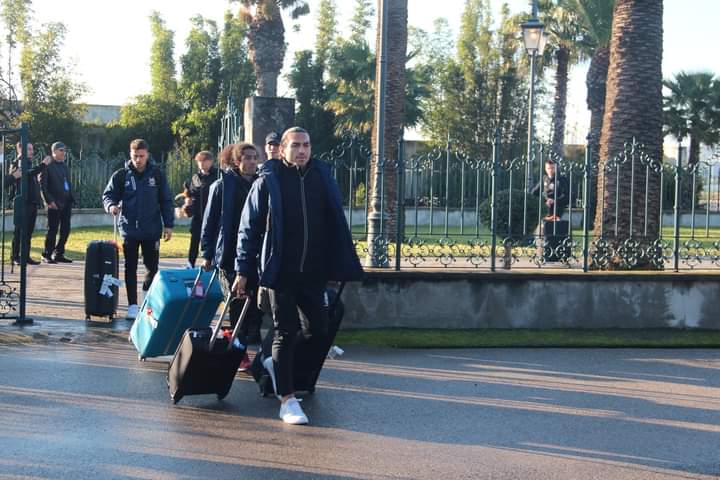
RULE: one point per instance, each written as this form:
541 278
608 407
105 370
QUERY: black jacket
557 189
33 194
199 188
55 184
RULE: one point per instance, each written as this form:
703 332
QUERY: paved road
75 403
92 411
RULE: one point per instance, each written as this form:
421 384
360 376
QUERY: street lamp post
534 39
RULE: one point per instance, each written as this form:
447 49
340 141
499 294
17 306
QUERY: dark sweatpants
151 260
30 216
299 310
57 218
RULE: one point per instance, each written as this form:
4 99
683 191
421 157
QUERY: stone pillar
264 115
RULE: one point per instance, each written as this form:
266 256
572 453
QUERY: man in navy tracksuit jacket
140 194
218 239
294 234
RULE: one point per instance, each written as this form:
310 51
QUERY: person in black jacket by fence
555 191
57 192
33 201
197 190
140 194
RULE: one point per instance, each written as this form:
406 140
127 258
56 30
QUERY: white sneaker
132 312
270 367
292 413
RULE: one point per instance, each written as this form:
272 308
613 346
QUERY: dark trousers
57 217
30 216
254 317
299 312
151 259
194 243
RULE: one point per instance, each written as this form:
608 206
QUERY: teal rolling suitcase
176 300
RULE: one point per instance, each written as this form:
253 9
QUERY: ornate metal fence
13 285
446 208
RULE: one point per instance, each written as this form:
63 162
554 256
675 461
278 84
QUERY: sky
108 42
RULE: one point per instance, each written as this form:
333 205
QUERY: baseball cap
57 146
272 137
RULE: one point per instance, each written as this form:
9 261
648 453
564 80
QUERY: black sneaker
32 261
46 259
59 258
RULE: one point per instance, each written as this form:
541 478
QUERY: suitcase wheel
87 318
141 358
175 399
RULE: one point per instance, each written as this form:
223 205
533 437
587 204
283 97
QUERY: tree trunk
595 81
394 105
560 101
694 154
633 111
266 48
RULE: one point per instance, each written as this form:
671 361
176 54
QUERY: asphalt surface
76 404
92 411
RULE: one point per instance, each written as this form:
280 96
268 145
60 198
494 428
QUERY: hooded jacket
260 235
145 200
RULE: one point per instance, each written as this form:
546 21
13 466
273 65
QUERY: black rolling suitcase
555 231
204 363
101 279
310 354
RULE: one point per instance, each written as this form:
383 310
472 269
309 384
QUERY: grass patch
177 247
515 338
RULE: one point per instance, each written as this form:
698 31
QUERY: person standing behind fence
33 201
140 194
57 192
293 231
555 191
220 226
197 197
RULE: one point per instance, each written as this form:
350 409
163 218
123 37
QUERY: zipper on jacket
303 202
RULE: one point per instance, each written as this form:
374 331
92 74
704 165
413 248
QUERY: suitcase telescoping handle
241 319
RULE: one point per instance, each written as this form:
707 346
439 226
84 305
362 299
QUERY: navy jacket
260 235
219 231
145 199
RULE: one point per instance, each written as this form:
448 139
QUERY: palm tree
596 17
570 45
266 38
692 108
396 52
633 110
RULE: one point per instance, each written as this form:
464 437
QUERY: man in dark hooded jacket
140 194
220 225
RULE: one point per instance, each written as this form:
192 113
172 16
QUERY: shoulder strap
120 174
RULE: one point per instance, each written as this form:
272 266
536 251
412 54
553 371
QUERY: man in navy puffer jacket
140 194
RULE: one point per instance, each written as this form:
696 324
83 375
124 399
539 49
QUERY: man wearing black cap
272 146
57 192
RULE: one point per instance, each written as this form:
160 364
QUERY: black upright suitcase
101 279
204 363
310 354
555 231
